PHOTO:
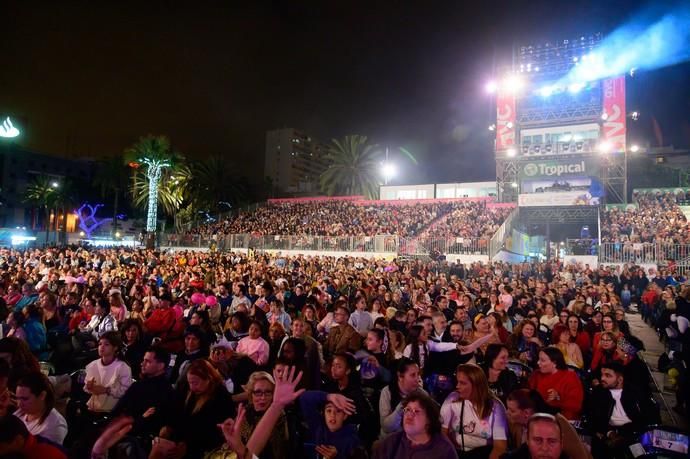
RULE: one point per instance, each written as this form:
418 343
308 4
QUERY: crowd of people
349 218
472 220
212 355
657 218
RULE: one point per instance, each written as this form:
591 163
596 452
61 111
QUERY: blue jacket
345 440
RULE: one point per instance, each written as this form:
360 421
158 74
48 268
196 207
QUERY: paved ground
663 393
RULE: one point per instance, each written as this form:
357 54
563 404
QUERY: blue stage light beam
650 41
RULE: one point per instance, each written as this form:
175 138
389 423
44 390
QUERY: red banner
614 109
506 120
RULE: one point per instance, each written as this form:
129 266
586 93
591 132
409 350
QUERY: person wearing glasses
473 418
608 324
421 434
342 337
259 391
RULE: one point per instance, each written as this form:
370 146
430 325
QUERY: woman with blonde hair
259 390
206 404
473 419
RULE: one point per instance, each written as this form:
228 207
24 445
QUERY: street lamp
388 170
54 184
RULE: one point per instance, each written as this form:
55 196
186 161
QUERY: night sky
89 78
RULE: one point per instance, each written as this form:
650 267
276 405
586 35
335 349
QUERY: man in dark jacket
617 411
150 400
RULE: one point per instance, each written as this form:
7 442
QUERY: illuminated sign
7 130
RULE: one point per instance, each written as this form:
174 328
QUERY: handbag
482 452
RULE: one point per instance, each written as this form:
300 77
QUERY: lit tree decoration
89 222
155 153
153 174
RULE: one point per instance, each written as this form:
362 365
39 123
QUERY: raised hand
231 430
284 392
342 403
115 432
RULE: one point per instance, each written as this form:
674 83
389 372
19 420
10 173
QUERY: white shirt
477 432
431 346
117 377
54 427
618 417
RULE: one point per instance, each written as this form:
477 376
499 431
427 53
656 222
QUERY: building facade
294 161
19 167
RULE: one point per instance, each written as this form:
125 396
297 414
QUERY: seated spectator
16 441
472 418
502 381
571 351
561 388
150 400
254 346
259 390
195 348
205 404
342 337
522 404
544 439
102 322
524 344
134 346
36 402
107 378
407 380
360 319
421 432
333 436
617 411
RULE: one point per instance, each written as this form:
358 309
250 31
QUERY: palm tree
112 178
353 167
213 182
171 189
41 193
156 155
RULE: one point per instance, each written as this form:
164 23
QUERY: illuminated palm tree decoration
155 153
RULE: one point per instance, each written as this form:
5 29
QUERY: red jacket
39 448
568 386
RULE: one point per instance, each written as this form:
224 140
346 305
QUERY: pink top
119 313
256 349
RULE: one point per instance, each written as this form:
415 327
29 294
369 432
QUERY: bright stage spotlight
509 125
491 87
604 116
605 147
511 152
492 127
513 83
634 148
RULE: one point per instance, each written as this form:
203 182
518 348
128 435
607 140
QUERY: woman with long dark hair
560 387
133 345
36 401
205 405
407 380
502 381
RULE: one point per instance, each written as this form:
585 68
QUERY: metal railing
362 244
499 237
643 252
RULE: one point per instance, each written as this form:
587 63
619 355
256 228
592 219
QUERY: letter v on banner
505 117
614 128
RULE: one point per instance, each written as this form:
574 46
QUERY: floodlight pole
153 174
